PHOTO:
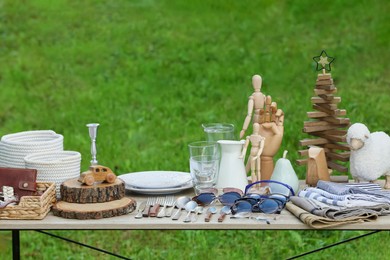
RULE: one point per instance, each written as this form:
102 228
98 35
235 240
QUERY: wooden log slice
94 210
74 191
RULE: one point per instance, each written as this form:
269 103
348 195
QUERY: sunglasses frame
269 181
213 193
255 203
261 198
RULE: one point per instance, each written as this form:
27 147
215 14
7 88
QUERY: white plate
157 182
159 191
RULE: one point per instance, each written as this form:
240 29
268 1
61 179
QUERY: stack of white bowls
14 147
55 166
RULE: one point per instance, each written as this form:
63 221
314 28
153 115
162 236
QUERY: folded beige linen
314 221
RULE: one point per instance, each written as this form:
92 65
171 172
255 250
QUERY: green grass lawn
151 72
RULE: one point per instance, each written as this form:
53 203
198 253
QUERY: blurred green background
151 72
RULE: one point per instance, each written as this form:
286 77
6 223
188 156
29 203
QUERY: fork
149 203
154 210
167 203
171 203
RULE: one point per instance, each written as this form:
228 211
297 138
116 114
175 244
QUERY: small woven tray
32 207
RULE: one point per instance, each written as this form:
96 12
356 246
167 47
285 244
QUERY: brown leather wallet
24 181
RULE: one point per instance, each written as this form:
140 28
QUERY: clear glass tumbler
219 131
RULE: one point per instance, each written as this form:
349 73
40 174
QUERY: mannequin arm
248 117
243 153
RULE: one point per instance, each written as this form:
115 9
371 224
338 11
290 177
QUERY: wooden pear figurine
317 168
284 172
257 145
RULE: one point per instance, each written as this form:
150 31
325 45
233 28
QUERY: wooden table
284 221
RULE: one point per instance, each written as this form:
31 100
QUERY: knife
140 209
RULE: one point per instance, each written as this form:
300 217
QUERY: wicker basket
32 207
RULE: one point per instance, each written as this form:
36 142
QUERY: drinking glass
204 164
218 131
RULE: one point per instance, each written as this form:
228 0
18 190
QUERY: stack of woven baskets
41 150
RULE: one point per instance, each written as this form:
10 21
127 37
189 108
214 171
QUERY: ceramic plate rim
137 188
159 191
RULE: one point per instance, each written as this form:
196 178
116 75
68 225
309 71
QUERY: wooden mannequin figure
270 119
257 145
256 103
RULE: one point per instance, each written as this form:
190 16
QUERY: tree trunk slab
94 210
74 191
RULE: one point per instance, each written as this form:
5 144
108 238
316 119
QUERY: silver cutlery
169 212
209 213
156 207
180 204
169 200
190 207
198 211
149 203
170 204
140 209
224 211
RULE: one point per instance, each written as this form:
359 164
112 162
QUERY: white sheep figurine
370 154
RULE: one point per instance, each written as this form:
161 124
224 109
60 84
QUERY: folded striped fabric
353 188
350 200
367 186
347 195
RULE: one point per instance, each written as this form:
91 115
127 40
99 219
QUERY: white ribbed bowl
14 147
55 166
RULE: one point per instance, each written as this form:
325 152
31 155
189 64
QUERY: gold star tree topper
323 61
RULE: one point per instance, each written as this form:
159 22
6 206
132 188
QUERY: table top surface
283 221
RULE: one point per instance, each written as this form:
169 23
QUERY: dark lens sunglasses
265 203
269 204
228 197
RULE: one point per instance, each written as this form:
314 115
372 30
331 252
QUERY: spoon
245 214
224 211
209 213
266 220
190 207
249 215
180 204
198 210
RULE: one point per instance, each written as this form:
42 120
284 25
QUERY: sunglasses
269 204
265 203
229 196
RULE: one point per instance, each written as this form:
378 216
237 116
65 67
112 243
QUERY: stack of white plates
157 182
14 147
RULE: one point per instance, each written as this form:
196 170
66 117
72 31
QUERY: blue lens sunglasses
265 203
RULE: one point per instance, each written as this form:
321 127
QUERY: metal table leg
15 244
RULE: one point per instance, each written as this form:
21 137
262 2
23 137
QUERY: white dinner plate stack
55 166
157 182
14 147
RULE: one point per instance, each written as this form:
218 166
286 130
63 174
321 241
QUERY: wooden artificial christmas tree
326 124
